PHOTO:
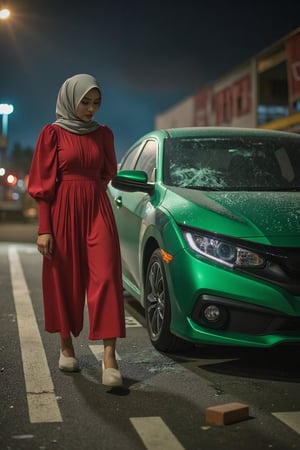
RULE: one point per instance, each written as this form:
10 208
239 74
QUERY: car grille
291 265
282 268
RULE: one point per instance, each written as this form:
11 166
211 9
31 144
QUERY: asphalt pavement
165 397
18 231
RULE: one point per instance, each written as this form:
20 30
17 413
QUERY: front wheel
158 307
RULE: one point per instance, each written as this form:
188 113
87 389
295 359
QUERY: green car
209 227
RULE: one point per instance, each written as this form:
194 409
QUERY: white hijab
70 94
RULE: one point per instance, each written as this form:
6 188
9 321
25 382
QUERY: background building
262 92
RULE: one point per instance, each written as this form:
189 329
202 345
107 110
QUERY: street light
5 110
4 13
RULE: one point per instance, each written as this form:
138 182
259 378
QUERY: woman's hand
45 245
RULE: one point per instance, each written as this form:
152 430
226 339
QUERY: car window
147 160
232 163
130 158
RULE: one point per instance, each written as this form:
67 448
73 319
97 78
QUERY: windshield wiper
205 188
291 189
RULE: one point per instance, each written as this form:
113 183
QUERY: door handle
118 201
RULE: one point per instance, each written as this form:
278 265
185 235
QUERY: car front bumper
253 312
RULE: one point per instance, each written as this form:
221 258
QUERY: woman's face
89 105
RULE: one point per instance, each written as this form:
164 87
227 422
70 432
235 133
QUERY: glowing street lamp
4 14
5 110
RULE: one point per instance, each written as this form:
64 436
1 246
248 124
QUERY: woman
73 161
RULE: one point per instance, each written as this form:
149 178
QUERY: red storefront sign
233 101
202 99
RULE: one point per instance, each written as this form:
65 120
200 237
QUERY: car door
129 210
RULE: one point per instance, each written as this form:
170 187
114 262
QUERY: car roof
219 132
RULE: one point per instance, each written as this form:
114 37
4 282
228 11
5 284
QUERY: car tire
158 308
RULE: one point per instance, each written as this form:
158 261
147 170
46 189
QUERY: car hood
265 217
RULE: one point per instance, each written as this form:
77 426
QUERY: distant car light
11 179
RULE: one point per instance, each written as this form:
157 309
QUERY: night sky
147 55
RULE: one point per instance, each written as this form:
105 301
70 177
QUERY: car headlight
223 252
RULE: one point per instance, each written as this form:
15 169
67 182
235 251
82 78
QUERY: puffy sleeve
42 176
110 162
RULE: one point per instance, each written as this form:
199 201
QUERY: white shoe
68 363
111 377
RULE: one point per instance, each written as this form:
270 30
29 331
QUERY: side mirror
132 181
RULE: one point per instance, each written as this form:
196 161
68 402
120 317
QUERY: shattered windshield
230 163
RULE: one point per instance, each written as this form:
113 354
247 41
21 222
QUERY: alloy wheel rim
156 300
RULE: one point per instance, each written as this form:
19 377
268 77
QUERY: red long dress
68 178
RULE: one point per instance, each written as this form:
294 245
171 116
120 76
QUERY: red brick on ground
227 413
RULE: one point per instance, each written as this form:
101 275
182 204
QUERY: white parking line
291 419
98 351
155 434
42 403
131 322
